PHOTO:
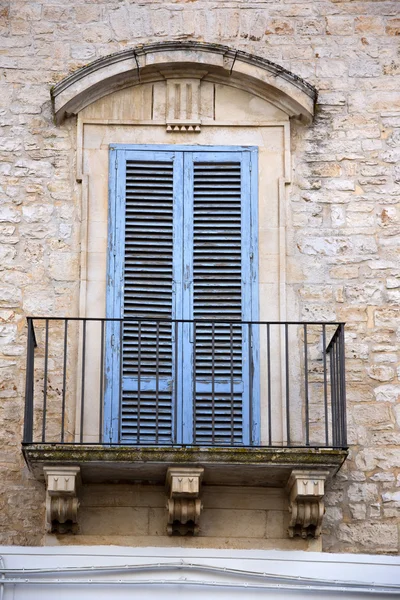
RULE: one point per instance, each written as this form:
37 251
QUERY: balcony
242 403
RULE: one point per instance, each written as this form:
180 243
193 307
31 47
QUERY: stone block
341 185
369 536
83 51
122 521
396 410
328 169
392 497
10 295
381 372
63 266
37 213
279 27
9 214
338 25
373 25
158 521
363 492
371 458
371 416
344 272
393 27
38 301
244 498
87 13
310 26
385 317
277 524
365 68
328 69
234 523
358 511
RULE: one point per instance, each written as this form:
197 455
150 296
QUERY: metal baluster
46 364
176 331
343 387
287 382
249 343
157 376
325 385
139 379
83 379
64 379
337 390
213 382
333 392
121 372
269 385
194 396
231 378
306 386
29 383
101 383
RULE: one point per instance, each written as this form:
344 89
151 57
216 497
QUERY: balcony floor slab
268 467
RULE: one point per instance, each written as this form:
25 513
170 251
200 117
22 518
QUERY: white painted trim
194 573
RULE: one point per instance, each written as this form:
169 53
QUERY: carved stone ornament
306 502
183 105
61 499
184 505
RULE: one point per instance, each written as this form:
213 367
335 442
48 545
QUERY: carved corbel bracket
184 505
61 499
306 502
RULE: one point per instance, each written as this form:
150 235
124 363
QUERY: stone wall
343 231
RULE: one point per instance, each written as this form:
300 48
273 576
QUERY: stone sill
268 467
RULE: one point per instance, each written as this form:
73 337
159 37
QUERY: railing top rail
155 320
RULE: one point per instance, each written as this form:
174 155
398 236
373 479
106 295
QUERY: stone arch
154 62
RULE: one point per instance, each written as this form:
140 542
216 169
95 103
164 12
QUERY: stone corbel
306 502
184 505
61 499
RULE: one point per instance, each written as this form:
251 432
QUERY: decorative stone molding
184 505
306 505
61 499
183 105
162 61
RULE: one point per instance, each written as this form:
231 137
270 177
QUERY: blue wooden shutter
222 263
146 267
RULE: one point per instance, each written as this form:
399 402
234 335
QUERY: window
182 248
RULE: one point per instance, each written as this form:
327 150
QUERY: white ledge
155 62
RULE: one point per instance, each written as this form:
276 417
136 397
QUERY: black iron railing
202 383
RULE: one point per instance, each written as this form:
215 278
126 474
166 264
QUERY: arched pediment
169 60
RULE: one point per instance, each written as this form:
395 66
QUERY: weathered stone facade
343 225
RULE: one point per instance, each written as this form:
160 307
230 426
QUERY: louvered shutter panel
147 358
219 349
